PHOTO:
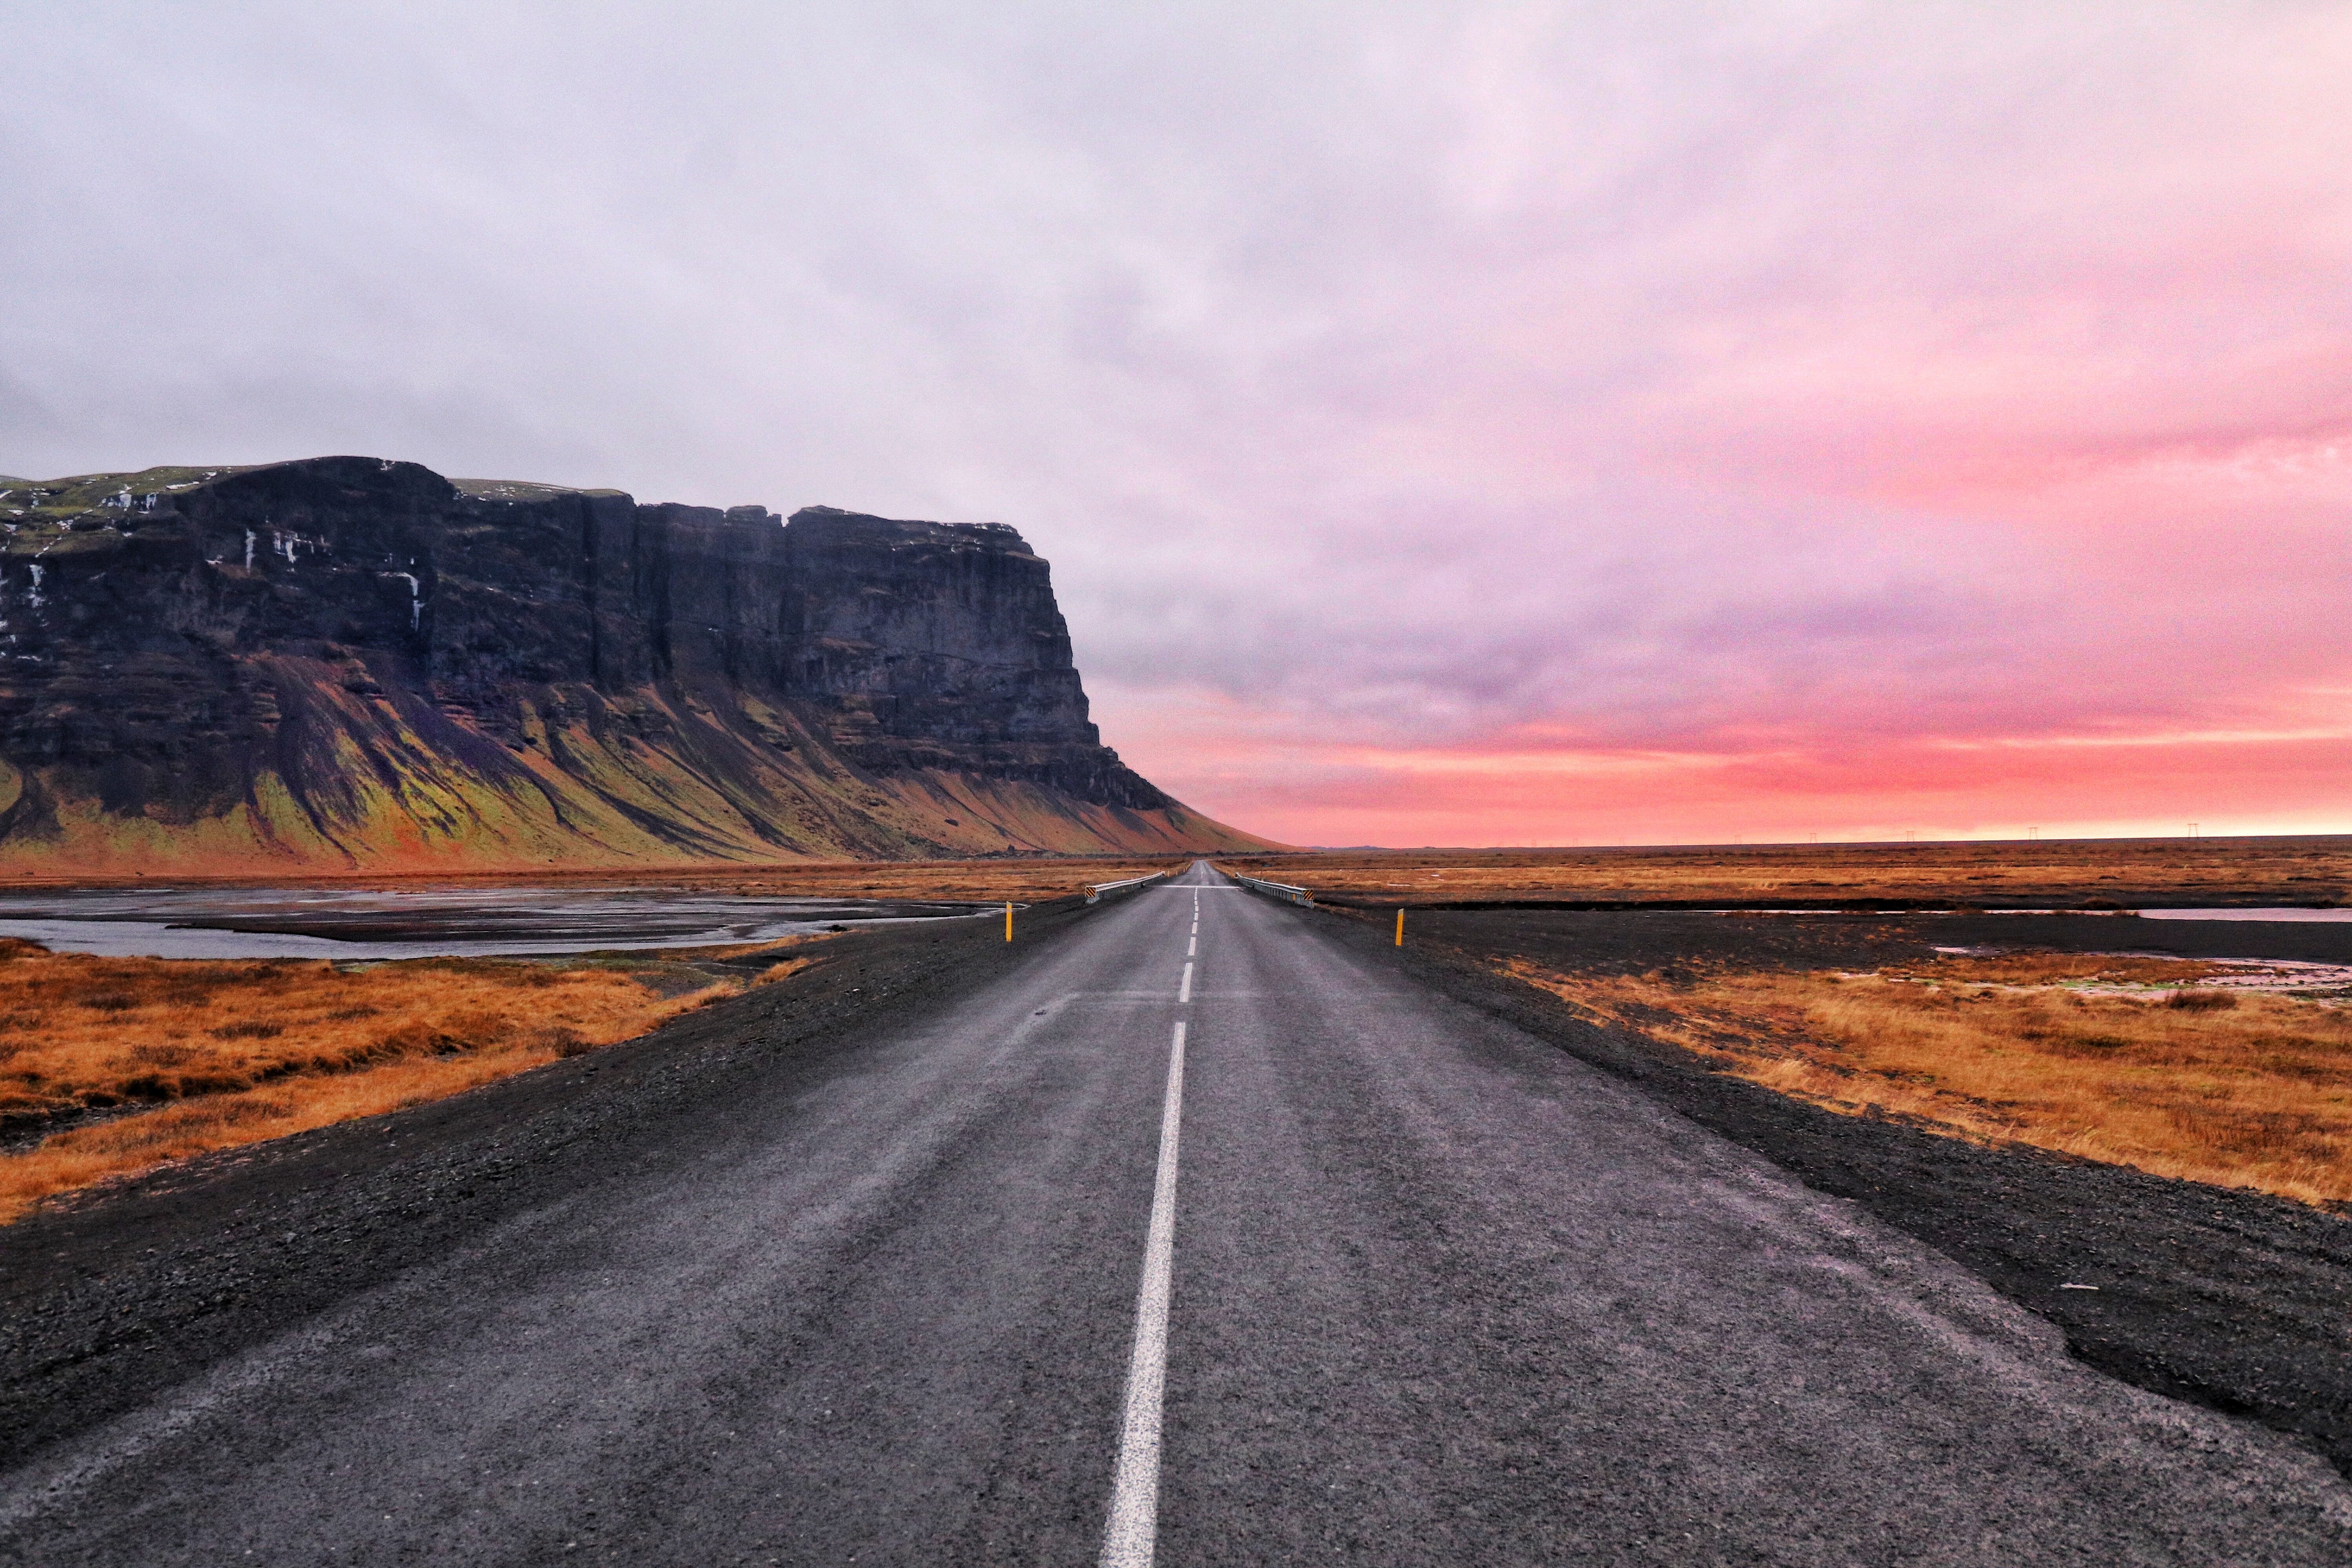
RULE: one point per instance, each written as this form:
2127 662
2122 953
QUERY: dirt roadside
123 1291
2233 1299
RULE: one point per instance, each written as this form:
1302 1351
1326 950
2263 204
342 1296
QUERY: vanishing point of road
1199 1236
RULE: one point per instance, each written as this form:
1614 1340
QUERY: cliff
351 663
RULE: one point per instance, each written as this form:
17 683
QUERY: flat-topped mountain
349 662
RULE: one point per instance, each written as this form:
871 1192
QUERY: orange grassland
2134 1061
139 1061
2288 870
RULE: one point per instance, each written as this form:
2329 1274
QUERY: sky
1448 424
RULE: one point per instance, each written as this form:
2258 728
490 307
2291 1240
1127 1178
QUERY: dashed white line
1131 1534
1184 990
1193 947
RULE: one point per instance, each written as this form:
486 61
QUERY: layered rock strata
347 662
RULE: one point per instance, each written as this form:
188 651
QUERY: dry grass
139 1061
2134 1062
777 972
2308 870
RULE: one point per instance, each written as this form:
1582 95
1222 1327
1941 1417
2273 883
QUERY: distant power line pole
2193 830
2032 833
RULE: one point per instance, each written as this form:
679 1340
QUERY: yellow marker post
1008 920
1400 926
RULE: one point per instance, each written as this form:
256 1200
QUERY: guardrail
1279 889
1095 893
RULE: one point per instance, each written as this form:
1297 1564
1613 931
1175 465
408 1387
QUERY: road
1434 1293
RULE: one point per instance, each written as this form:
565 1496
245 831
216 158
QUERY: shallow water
2275 913
2270 914
423 922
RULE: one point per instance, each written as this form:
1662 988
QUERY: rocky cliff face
355 662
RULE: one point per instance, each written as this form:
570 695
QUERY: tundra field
113 1066
2298 871
2213 1072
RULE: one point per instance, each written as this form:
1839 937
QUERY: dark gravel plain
107 1299
2235 1299
1631 942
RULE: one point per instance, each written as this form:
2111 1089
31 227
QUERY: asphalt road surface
1404 1286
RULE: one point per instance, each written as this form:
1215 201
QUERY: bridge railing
1275 890
1095 893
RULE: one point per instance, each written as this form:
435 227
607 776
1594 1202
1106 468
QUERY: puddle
2277 912
2283 974
2268 976
2270 914
425 922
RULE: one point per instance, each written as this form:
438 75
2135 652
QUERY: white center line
1193 947
1184 990
1133 1530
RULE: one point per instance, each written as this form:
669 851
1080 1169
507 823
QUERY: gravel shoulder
123 1291
2233 1299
